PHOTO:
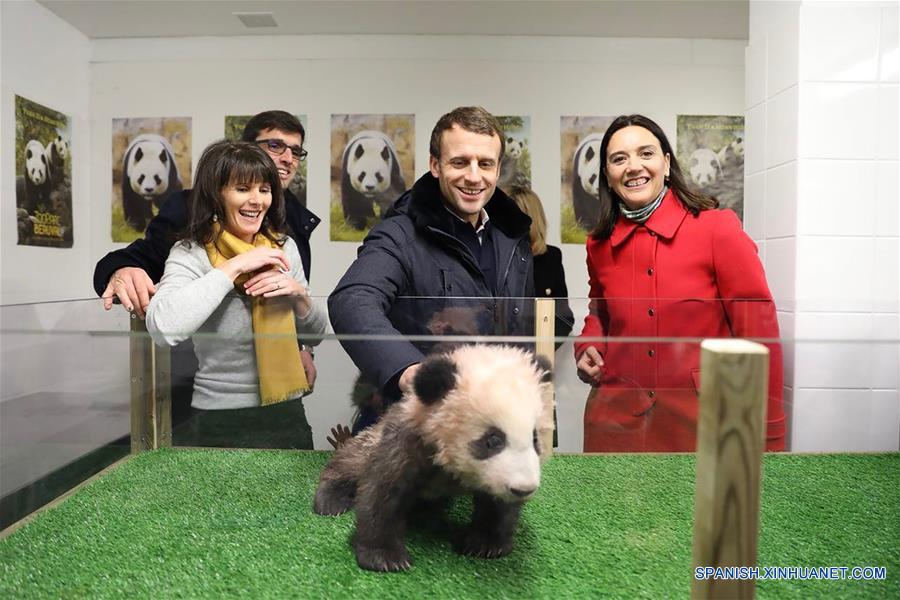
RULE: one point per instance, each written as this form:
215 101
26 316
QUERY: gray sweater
194 300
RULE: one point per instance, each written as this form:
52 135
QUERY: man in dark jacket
452 256
129 274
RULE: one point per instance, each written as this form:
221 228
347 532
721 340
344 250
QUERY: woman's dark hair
694 200
224 163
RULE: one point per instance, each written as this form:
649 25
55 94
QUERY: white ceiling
721 19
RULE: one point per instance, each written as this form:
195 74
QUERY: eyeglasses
277 147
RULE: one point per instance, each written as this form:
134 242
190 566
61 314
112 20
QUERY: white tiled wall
781 200
821 185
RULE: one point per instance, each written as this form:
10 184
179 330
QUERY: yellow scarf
281 375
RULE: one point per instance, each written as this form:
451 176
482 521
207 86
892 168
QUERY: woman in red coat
667 270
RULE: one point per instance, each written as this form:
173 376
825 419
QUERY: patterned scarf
639 215
278 365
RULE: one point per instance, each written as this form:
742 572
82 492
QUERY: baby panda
57 150
470 425
586 181
37 177
149 176
370 175
509 166
732 153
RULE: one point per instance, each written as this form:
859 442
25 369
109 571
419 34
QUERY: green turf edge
212 523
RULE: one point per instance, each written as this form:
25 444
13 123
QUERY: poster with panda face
151 160
43 176
515 168
372 164
234 128
711 154
579 197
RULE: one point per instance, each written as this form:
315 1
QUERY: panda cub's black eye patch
490 444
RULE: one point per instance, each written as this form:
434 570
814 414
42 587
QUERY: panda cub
471 424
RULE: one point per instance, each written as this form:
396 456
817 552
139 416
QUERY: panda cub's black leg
387 489
490 533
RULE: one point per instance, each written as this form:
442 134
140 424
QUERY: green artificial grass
214 523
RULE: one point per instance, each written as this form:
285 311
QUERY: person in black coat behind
549 277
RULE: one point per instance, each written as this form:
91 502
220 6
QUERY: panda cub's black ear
542 363
434 379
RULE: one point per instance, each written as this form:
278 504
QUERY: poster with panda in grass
151 159
579 198
43 176
372 164
234 128
711 154
515 168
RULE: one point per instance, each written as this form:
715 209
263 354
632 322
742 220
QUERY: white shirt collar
483 218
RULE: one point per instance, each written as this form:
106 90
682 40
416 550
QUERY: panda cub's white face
485 430
59 147
36 168
589 167
148 169
369 165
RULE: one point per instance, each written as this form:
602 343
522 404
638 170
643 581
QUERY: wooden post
734 382
544 331
151 391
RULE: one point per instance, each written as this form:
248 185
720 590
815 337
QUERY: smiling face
467 170
636 167
245 205
287 162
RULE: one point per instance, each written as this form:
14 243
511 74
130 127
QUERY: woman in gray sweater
235 284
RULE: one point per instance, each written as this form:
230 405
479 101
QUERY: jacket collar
308 219
664 221
424 205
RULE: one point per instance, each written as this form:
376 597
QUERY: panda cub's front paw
383 559
480 545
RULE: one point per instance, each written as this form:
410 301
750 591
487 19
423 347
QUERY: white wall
45 60
822 180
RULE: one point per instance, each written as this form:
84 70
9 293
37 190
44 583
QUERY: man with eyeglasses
128 275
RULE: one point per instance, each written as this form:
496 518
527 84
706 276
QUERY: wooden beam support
544 331
151 391
734 382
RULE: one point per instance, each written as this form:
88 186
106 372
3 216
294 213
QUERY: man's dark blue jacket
414 276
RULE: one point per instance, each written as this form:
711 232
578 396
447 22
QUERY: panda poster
515 167
43 176
372 164
711 153
151 159
234 127
579 198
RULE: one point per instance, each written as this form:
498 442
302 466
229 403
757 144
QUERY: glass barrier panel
64 399
82 386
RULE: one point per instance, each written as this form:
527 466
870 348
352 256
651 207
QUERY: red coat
675 276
